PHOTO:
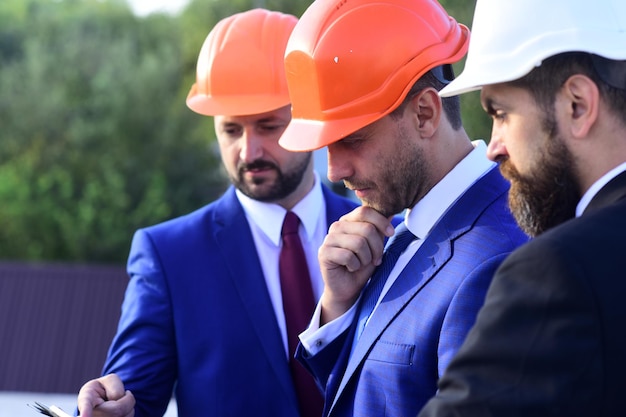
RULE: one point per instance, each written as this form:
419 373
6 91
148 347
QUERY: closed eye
272 127
496 114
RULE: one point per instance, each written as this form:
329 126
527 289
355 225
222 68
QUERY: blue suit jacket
424 318
197 317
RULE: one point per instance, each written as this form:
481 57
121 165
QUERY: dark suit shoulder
592 244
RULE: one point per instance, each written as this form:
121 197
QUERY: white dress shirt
420 220
266 221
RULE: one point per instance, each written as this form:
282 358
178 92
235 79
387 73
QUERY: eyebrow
229 124
361 134
269 119
488 104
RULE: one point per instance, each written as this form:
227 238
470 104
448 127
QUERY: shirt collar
422 217
597 186
269 216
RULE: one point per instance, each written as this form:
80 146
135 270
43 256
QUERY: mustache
258 164
507 169
352 184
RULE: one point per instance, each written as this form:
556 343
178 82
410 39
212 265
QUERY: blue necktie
396 246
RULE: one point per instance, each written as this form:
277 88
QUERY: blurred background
95 142
95 136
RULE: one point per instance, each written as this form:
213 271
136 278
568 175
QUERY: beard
401 178
261 189
548 196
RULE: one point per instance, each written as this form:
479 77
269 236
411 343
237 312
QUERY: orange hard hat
240 68
349 63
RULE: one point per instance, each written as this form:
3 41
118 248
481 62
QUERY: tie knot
400 240
290 224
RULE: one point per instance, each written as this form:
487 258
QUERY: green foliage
476 121
95 138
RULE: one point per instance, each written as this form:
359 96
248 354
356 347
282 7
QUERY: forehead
504 95
377 126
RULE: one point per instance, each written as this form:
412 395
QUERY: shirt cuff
316 338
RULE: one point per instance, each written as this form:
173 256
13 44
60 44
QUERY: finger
365 214
351 251
361 238
90 396
122 407
113 386
96 392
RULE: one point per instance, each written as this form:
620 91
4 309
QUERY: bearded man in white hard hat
550 339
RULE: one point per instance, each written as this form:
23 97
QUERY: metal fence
56 323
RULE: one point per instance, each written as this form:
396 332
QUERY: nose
338 166
251 146
496 148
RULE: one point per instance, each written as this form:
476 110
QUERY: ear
582 98
427 107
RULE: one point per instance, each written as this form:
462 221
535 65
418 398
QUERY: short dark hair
546 80
451 105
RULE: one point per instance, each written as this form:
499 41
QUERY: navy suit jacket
550 340
425 316
197 318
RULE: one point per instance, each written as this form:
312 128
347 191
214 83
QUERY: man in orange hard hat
364 79
207 314
550 339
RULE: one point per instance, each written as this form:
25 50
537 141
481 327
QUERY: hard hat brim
504 49
489 71
459 86
305 135
235 105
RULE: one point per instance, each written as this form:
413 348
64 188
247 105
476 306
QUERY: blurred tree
476 121
96 139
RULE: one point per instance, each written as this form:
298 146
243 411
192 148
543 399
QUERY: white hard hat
511 37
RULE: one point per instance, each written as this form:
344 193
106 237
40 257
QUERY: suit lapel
429 259
432 255
230 219
247 277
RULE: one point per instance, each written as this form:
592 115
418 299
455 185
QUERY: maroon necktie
298 305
